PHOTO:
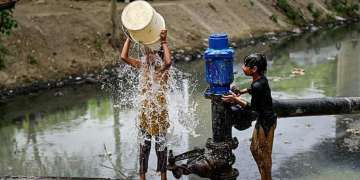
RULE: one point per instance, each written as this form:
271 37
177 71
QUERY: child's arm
233 98
167 54
125 55
238 91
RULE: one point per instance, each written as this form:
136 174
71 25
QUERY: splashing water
161 102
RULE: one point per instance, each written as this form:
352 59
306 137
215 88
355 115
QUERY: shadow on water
62 132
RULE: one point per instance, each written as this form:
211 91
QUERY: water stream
47 135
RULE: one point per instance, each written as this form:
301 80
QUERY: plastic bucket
143 23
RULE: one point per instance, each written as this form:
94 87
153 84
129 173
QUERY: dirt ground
55 39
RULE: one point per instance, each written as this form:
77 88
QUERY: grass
98 44
343 7
3 53
316 13
31 59
295 15
273 17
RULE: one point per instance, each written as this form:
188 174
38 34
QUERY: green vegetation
295 15
98 44
343 7
3 53
273 17
330 17
316 13
100 110
252 3
7 23
31 59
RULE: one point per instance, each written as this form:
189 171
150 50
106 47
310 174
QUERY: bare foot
163 176
142 177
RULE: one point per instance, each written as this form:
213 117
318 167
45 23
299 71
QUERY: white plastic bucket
143 23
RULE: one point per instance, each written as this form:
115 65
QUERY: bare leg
161 153
144 158
261 149
163 176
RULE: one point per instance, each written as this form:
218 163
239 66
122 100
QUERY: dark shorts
266 122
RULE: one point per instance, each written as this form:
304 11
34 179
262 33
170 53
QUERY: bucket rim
126 9
158 38
163 27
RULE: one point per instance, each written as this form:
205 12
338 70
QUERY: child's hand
235 89
232 98
163 35
238 91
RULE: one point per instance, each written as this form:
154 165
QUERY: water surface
48 135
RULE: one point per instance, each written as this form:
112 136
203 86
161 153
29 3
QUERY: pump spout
214 163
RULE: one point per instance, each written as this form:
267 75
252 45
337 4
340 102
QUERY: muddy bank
60 43
108 75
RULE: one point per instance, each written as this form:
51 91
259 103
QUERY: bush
295 15
316 13
273 17
6 22
343 7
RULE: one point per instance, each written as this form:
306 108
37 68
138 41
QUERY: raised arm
167 55
125 55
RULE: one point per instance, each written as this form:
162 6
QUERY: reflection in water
64 136
348 84
348 65
336 156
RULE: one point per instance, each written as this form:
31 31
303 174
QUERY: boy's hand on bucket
163 35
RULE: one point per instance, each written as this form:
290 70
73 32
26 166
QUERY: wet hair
160 52
256 59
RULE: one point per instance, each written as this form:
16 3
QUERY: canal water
90 131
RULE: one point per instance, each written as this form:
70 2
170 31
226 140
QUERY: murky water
44 134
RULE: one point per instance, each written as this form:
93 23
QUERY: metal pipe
316 106
221 120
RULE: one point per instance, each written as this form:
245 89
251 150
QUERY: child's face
248 71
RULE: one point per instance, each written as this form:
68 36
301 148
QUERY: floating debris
355 131
298 72
297 30
286 142
58 94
